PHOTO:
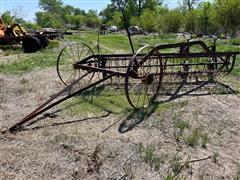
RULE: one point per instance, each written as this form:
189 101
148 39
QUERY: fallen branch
223 101
182 166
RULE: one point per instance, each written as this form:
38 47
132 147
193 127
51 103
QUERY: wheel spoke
145 65
71 54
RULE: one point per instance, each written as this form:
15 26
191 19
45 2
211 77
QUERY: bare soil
66 147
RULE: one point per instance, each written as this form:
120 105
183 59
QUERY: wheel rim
71 54
143 77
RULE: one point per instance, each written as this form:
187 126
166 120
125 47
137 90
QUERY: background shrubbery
194 16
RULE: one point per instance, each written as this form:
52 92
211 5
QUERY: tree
133 10
188 5
107 13
190 21
51 5
68 10
137 6
116 20
173 21
7 18
46 19
148 20
78 11
228 15
204 17
92 19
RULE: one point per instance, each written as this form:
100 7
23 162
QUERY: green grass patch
197 136
235 41
149 155
96 102
236 69
11 49
28 62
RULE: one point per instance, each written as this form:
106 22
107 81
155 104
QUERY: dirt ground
71 147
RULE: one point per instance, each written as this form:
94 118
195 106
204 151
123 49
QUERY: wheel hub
148 79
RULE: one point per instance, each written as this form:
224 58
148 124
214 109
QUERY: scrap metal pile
16 34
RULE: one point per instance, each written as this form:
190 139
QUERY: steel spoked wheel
76 53
143 77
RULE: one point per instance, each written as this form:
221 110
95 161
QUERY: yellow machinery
16 34
2 34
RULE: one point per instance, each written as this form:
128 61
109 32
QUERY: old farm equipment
143 73
16 34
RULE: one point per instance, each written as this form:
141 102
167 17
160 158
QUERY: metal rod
38 111
126 26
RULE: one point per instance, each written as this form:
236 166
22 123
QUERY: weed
149 154
175 163
193 138
215 157
150 157
238 172
182 125
128 171
219 131
23 81
195 115
170 177
205 139
177 135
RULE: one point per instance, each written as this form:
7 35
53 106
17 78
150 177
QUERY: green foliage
134 9
196 136
227 14
208 17
175 163
46 19
235 42
7 18
116 20
204 23
92 19
180 125
30 25
237 177
193 16
191 21
57 15
148 20
26 63
150 157
97 101
51 5
173 21
215 157
188 5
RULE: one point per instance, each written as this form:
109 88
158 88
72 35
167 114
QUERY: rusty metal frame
97 63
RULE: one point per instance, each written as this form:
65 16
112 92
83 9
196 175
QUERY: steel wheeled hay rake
142 74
